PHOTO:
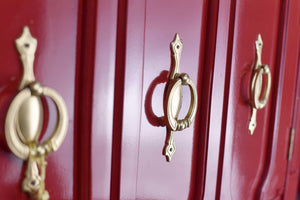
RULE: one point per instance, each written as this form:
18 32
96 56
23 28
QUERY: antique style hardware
173 99
24 122
258 101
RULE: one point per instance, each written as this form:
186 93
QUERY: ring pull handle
173 100
257 85
24 122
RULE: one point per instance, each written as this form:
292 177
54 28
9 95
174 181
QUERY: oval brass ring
257 87
173 123
52 144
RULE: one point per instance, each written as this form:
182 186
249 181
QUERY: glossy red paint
219 99
130 144
84 98
293 51
254 166
103 96
143 135
274 182
245 157
111 60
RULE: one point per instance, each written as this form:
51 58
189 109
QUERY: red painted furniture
110 62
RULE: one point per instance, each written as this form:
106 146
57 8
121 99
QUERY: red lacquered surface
128 169
286 110
293 41
223 53
85 62
246 157
235 164
55 67
145 174
120 53
102 114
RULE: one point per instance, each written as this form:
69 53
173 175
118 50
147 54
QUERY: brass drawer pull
174 85
173 99
257 84
24 122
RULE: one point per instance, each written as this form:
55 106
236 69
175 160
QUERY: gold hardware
173 99
24 121
256 85
291 145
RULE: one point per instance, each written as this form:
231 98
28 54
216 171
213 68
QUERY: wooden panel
54 24
222 61
145 174
247 158
84 98
103 96
273 182
293 59
132 98
120 53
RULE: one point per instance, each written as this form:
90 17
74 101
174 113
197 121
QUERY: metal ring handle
173 123
257 87
52 144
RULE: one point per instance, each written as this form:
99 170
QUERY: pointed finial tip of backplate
251 131
259 37
26 30
176 43
26 44
176 48
177 39
25 34
252 126
259 43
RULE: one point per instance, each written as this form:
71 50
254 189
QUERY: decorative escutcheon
173 100
25 118
257 84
